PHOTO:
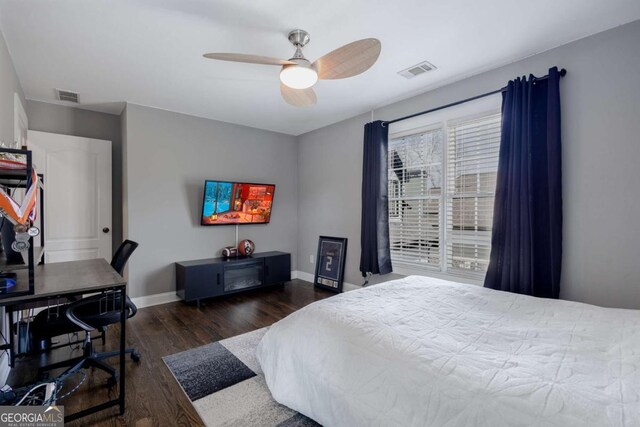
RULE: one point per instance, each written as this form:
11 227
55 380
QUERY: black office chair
122 255
93 313
96 312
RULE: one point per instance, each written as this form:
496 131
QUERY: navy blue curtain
526 244
375 254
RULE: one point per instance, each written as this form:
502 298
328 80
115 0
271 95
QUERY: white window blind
415 197
472 165
441 192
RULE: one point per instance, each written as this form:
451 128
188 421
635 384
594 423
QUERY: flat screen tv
236 203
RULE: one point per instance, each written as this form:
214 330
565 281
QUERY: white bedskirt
426 352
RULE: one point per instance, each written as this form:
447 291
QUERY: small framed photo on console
332 253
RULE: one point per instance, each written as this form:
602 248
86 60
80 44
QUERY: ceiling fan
298 75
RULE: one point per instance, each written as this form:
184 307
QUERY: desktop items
246 247
7 281
21 209
229 252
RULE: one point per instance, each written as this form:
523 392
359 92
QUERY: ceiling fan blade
251 59
298 97
348 60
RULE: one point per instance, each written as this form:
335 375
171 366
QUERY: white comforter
427 352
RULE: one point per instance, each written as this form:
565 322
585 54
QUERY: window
415 175
442 181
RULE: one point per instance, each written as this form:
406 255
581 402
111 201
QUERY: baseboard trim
308 277
167 297
157 299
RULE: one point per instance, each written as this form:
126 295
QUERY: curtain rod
562 73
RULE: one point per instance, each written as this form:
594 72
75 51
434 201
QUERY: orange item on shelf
26 211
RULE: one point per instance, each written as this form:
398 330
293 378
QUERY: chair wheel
135 356
112 381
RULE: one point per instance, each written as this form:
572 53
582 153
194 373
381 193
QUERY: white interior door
77 195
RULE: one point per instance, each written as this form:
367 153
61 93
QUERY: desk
67 279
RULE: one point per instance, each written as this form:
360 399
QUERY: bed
426 352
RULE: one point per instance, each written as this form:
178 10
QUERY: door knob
105 230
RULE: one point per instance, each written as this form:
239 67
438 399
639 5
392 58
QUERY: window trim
442 120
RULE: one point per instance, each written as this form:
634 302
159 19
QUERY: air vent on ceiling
66 95
418 69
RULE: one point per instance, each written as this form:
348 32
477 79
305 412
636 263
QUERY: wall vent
418 69
67 95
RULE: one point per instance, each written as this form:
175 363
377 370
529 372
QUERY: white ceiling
149 52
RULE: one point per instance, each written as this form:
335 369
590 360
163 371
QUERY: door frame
109 214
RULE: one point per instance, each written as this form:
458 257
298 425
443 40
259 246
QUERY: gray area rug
226 386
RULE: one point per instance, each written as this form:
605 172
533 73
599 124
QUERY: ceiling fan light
298 76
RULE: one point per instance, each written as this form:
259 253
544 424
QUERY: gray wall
601 148
65 120
168 157
329 192
9 84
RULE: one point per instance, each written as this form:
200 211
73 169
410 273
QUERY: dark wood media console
212 277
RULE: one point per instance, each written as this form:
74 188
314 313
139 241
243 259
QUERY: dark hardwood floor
153 396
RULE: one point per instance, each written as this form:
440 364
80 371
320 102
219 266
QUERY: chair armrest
74 319
131 306
130 310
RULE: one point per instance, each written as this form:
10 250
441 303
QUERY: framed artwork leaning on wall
332 254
